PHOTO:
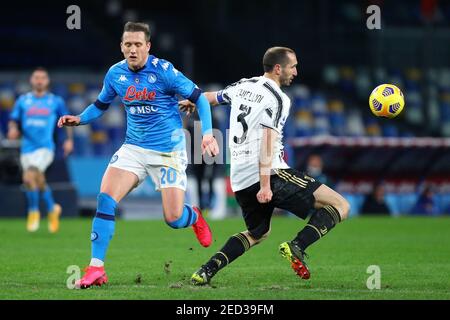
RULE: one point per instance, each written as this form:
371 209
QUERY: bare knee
173 214
29 179
174 207
29 182
343 206
41 182
173 211
326 196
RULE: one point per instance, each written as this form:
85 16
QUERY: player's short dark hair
137 27
276 55
40 68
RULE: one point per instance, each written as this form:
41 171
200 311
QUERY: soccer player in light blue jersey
154 145
34 117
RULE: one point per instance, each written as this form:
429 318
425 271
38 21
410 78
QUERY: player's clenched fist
264 195
69 121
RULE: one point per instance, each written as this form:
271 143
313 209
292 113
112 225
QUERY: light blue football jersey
38 117
149 97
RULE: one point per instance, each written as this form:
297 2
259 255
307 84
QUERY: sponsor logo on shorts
114 158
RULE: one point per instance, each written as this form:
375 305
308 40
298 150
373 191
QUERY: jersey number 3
241 118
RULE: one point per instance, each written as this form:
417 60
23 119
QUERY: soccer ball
387 101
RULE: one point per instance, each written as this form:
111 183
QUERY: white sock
96 262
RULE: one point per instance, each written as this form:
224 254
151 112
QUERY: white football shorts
167 169
39 158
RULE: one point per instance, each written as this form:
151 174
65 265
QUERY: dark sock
234 248
320 223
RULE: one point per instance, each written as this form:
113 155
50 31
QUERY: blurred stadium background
218 42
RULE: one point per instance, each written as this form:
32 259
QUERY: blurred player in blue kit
154 145
34 118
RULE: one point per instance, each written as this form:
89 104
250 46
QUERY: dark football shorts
292 191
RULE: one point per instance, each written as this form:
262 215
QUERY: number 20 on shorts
168 176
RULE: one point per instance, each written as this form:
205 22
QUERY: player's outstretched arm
209 143
212 98
68 121
189 107
91 113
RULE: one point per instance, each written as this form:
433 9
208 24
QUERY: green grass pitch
148 260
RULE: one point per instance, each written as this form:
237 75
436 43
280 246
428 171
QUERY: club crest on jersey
133 94
152 78
136 80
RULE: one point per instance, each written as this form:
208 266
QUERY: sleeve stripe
222 97
219 97
226 98
101 105
195 94
279 102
